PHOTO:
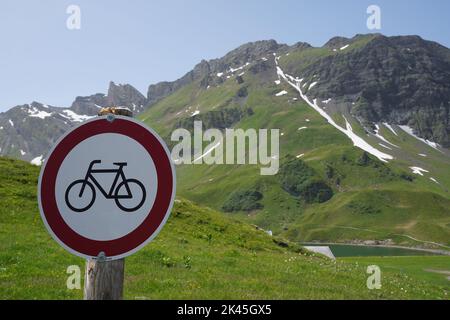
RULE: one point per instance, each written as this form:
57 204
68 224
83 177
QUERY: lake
348 250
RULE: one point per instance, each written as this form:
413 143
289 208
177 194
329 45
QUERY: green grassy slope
200 254
384 201
428 269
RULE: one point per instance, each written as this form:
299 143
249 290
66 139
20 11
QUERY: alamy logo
374 280
74 279
234 146
374 20
73 22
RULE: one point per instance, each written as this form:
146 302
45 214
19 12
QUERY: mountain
364 136
205 72
402 80
28 131
199 254
346 175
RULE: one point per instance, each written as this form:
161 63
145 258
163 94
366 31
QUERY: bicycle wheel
86 200
137 189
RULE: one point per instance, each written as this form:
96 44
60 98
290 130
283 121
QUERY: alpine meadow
302 172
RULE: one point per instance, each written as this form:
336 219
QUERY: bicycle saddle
120 164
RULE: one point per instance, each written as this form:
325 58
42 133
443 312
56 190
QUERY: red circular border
157 213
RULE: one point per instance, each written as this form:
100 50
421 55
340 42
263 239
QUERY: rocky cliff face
206 71
401 80
127 96
28 131
90 104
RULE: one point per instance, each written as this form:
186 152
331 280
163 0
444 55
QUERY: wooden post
104 279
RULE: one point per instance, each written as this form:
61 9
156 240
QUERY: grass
299 60
200 254
382 200
376 215
423 268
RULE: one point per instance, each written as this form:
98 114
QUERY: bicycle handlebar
93 163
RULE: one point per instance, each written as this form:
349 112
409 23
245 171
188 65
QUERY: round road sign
107 188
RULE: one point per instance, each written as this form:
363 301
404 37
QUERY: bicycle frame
108 195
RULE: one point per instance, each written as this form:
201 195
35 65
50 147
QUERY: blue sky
142 42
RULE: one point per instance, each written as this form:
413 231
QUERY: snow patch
22 152
302 128
281 93
344 47
362 144
418 170
423 155
410 131
208 151
38 160
387 125
69 114
434 180
326 101
300 155
232 70
277 82
384 146
348 131
379 136
11 123
196 112
312 85
220 74
36 113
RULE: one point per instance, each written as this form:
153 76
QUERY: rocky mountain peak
89 105
126 95
301 45
402 80
337 42
206 71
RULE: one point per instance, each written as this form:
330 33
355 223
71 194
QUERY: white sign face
99 215
107 188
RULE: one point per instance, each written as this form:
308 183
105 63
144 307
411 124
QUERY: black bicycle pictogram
119 191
